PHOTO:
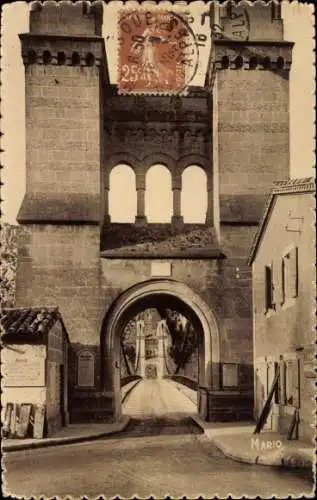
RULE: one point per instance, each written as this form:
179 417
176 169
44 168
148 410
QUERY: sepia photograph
158 279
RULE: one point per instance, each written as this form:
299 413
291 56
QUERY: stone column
140 219
160 332
106 215
177 218
210 201
141 341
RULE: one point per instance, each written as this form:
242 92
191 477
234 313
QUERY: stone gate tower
78 128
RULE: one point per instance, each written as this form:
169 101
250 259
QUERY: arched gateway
149 294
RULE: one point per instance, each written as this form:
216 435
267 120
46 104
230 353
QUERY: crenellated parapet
55 50
233 54
65 34
80 18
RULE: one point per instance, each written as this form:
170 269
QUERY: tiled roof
289 186
27 324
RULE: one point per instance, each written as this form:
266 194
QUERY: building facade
284 290
35 359
100 273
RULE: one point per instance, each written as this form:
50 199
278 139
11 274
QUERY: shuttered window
293 273
290 275
292 382
269 299
278 283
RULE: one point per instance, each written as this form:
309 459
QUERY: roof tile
27 324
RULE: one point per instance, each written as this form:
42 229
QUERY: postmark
158 52
235 24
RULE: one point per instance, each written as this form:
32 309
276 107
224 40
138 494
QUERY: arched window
194 195
158 194
122 194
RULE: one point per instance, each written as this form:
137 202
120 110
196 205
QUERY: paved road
160 454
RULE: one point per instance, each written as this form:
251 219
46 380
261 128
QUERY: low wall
129 378
188 382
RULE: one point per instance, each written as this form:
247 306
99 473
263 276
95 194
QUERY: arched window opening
122 194
280 63
238 62
47 57
90 59
158 194
225 62
75 59
61 58
194 195
32 57
253 62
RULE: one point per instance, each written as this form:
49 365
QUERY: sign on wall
23 366
161 269
229 375
86 369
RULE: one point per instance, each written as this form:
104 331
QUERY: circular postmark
157 52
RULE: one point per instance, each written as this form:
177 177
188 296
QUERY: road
161 453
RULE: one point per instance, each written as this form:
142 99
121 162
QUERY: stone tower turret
65 71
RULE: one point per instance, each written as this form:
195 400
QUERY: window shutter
294 272
282 382
283 270
272 285
268 288
277 395
277 283
292 382
288 382
295 382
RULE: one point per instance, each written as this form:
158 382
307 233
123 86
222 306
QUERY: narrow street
162 452
157 397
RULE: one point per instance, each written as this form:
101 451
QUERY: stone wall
216 281
251 123
56 361
145 130
59 265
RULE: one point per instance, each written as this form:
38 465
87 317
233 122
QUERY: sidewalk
73 433
237 441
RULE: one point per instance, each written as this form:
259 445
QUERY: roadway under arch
151 294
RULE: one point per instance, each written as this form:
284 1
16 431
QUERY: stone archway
134 300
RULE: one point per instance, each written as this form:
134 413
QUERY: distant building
283 274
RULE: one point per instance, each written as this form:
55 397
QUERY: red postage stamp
157 52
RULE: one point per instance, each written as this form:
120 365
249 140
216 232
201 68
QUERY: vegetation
184 338
8 264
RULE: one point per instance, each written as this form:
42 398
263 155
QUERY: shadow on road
160 426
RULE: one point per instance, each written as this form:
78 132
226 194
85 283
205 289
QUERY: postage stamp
158 52
158 278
